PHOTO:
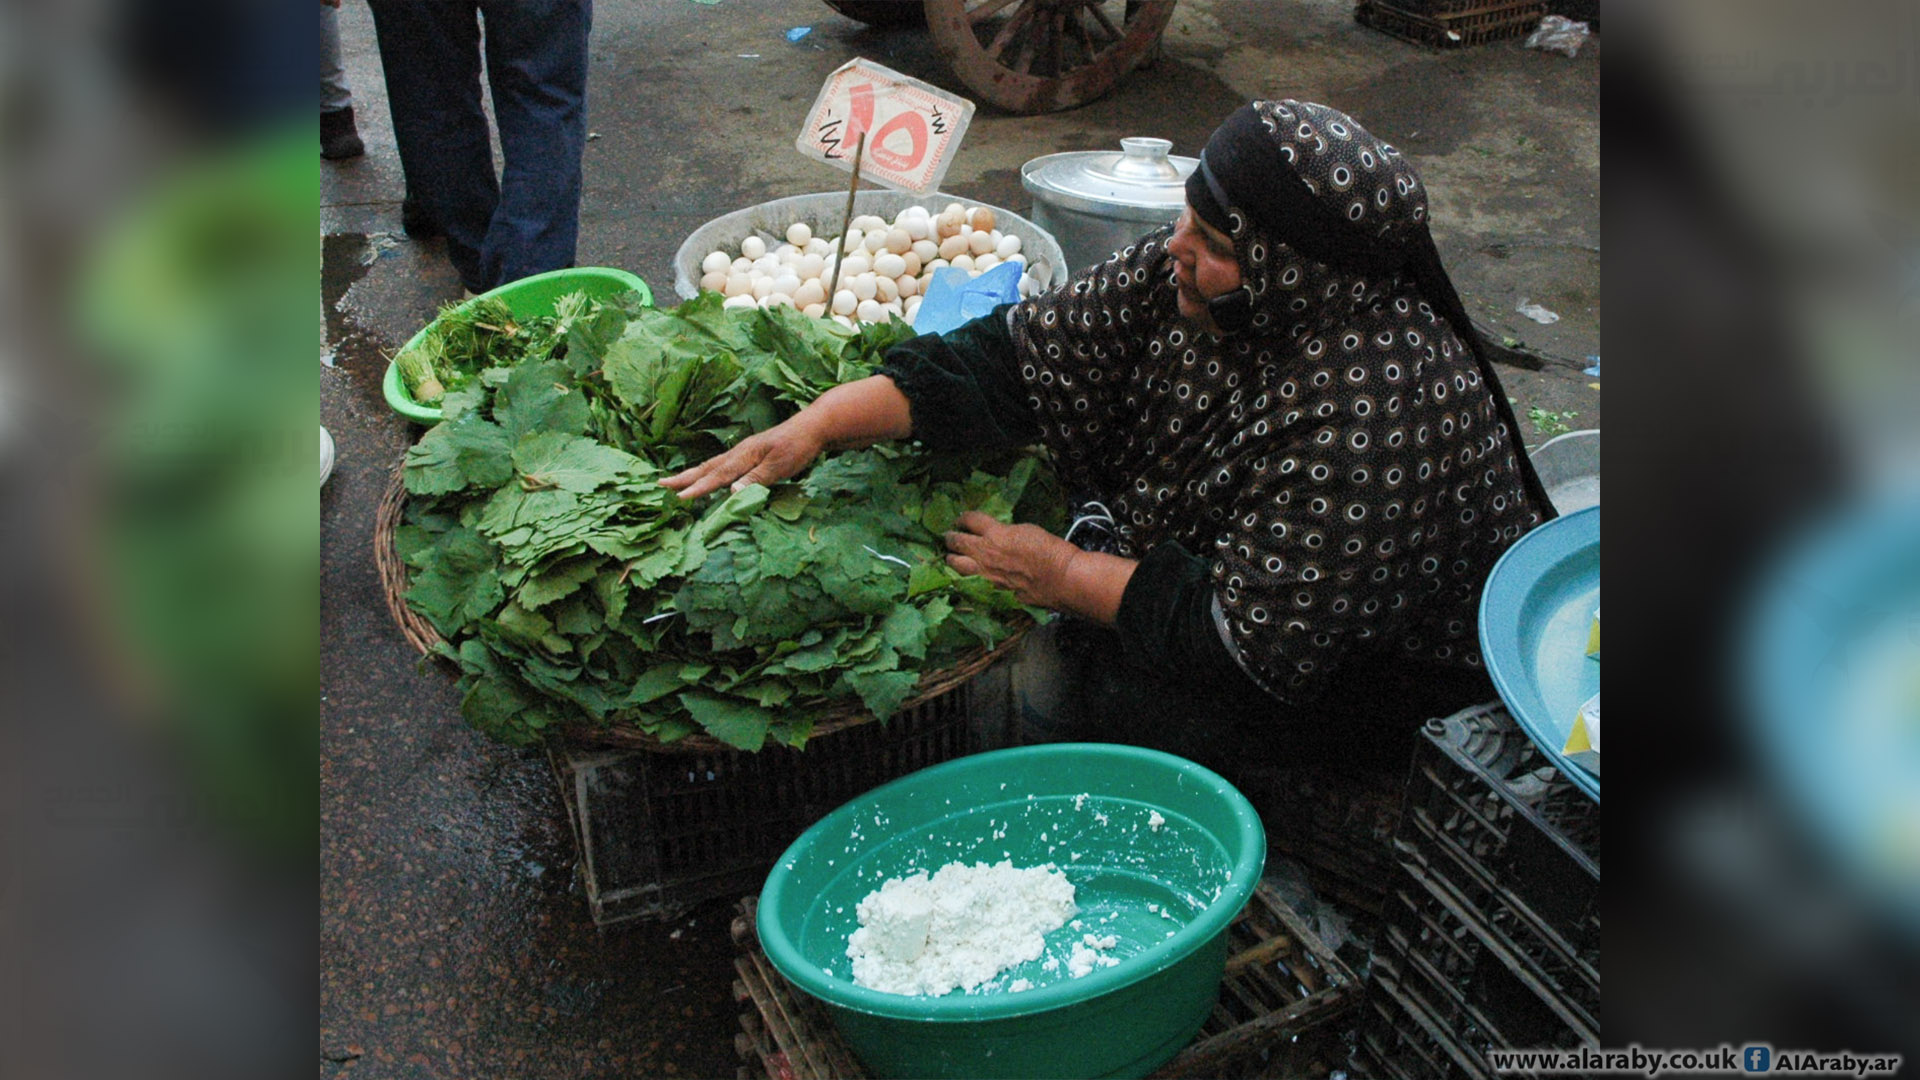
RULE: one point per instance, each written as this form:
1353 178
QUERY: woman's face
1203 266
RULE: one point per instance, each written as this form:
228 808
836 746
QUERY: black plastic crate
1511 820
1396 1040
656 833
1491 934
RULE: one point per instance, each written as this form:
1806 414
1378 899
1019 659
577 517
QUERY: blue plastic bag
953 298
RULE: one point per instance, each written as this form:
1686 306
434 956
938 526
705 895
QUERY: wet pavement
454 939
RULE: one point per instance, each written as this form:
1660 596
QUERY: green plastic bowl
1167 893
526 298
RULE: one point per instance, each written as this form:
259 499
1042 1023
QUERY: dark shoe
338 138
415 222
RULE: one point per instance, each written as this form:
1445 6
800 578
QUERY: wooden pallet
1274 1017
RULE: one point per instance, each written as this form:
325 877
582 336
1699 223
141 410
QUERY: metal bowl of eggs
784 252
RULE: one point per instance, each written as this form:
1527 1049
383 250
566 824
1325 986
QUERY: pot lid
1141 183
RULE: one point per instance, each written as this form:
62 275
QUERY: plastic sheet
1557 33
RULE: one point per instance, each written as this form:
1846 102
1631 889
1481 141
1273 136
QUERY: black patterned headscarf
1341 454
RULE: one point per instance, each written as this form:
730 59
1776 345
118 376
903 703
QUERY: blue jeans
528 220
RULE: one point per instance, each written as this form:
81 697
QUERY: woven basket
422 636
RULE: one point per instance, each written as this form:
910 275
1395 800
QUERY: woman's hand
766 458
1027 559
851 415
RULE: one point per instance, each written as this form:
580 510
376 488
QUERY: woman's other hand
766 458
1026 559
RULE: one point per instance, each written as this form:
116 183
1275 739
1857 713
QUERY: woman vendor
1294 464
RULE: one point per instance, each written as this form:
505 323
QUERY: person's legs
338 137
537 67
431 52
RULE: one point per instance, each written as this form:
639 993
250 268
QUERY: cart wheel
1033 56
881 13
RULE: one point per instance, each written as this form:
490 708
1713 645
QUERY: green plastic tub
526 298
1168 893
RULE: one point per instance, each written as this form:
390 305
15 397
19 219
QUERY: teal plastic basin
526 298
1167 893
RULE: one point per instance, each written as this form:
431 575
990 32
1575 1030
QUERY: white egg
844 302
851 241
964 262
912 305
715 260
753 247
870 222
918 228
762 288
886 289
738 285
887 264
936 264
855 265
809 266
819 246
766 266
844 321
875 242
955 208
980 218
951 246
892 309
908 285
785 254
928 250
738 302
899 240
864 286
1009 245
814 311
799 233
715 280
979 242
910 264
1016 257
984 263
778 299
870 311
810 292
788 282
740 265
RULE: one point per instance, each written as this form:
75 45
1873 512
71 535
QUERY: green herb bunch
571 588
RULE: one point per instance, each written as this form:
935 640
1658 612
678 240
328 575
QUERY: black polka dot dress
1345 466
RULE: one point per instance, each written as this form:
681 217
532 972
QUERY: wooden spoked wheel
1034 56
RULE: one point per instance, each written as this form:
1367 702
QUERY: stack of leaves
570 587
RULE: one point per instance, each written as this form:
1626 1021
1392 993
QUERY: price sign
912 128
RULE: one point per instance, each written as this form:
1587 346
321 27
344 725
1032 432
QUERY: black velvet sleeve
963 387
1167 624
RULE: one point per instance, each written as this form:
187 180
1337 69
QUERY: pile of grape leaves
571 588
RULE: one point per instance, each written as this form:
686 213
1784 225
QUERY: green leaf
569 462
557 581
540 397
734 722
883 691
658 681
455 454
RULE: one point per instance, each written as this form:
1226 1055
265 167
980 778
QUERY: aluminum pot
1097 202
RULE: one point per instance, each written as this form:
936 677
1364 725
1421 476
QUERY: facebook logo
1756 1057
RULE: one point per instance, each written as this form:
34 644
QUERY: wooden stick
839 247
